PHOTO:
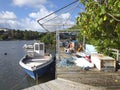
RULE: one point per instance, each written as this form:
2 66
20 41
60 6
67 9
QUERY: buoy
5 53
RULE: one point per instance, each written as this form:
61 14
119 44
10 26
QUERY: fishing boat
36 62
28 46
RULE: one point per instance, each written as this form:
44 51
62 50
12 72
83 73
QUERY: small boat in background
28 46
36 62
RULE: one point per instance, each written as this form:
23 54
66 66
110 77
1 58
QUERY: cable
59 15
58 10
53 13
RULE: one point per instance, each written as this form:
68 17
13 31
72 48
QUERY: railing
117 52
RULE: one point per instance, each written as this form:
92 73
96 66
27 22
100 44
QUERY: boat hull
38 71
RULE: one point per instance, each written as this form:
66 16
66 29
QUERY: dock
110 80
62 84
93 77
76 78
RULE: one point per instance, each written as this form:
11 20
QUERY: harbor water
12 76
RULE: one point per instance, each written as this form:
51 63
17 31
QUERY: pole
36 78
57 44
84 41
117 55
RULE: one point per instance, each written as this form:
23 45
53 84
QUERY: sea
12 76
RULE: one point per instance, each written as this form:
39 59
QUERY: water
12 77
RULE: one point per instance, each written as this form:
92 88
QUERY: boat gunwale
37 67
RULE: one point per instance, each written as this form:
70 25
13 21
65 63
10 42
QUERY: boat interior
35 61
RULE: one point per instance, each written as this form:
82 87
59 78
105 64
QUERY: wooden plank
66 85
116 53
44 86
30 88
77 86
62 84
37 87
53 86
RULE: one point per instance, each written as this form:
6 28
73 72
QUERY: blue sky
23 14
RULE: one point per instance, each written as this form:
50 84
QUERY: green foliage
100 23
19 35
48 39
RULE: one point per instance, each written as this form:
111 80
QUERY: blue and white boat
36 62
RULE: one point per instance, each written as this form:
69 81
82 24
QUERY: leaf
102 30
100 21
95 25
118 4
102 10
111 20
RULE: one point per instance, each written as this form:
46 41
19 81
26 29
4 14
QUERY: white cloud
30 3
12 24
53 21
7 15
41 13
23 24
29 24
10 20
65 15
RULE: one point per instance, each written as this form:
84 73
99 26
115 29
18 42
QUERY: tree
100 23
48 39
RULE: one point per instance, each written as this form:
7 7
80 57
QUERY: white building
4 29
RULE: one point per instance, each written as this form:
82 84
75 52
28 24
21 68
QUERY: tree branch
113 17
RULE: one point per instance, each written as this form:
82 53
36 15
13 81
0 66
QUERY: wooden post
36 78
117 57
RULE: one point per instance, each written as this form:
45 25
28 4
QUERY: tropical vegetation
100 23
49 39
19 35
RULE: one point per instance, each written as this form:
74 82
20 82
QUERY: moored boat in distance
28 46
36 62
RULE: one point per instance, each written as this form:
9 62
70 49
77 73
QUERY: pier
62 84
93 77
76 78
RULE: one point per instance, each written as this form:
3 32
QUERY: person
80 48
71 48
